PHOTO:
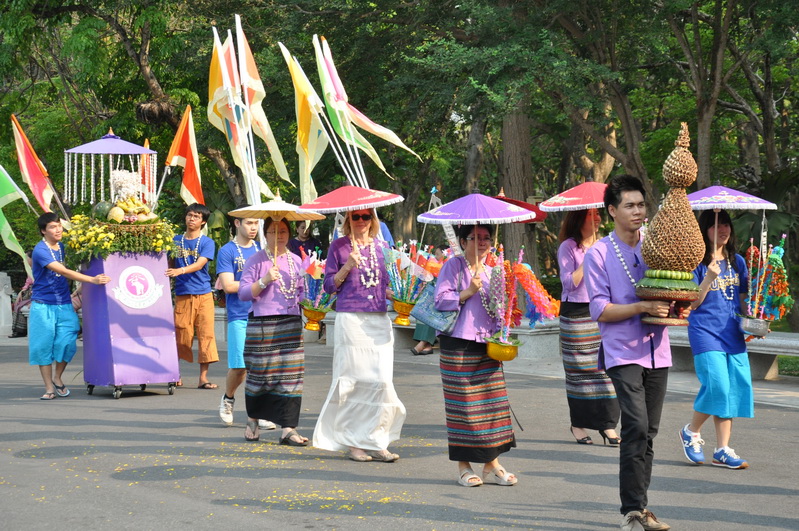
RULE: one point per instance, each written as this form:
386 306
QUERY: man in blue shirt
229 266
194 302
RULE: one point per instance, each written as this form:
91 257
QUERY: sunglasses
358 217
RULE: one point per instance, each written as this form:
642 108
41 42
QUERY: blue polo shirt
187 253
48 287
228 260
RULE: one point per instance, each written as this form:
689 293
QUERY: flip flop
384 455
467 474
288 441
207 385
252 427
61 390
360 458
47 396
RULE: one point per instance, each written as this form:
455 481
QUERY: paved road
154 461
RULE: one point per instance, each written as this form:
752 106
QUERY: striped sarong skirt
589 391
479 426
275 360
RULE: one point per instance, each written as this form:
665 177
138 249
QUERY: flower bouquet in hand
406 278
317 302
502 293
768 298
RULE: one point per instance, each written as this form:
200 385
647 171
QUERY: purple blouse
352 295
570 258
473 323
629 341
272 301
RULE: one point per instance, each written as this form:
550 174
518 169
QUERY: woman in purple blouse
476 405
589 391
362 413
273 350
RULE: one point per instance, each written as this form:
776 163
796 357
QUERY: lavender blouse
352 295
272 301
570 258
629 341
473 323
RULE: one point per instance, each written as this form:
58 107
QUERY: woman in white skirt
362 413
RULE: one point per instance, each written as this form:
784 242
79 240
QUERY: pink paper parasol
581 197
540 215
350 198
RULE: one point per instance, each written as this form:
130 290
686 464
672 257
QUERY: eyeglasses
472 238
358 217
194 216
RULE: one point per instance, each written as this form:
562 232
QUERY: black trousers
640 392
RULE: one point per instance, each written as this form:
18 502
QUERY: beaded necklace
621 259
185 252
241 256
725 281
291 291
369 272
59 259
484 296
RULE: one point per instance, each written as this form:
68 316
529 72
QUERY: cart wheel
143 386
117 392
171 389
89 389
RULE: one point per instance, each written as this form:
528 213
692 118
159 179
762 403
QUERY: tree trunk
517 177
474 153
703 141
229 174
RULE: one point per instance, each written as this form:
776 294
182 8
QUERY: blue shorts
236 334
726 380
52 333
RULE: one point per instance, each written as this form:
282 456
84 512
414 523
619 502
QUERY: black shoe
612 441
584 440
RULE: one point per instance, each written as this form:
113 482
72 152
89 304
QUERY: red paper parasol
350 198
540 215
581 197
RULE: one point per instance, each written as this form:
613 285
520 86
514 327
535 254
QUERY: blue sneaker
727 457
692 447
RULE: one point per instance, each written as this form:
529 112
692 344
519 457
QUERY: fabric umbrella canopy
581 197
476 209
714 197
111 144
350 198
540 215
276 209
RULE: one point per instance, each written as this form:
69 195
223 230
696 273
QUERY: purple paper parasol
725 198
475 209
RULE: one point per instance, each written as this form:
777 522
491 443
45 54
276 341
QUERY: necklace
291 290
621 259
728 280
485 298
59 259
370 273
184 253
240 261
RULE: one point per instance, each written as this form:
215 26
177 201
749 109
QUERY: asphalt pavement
151 461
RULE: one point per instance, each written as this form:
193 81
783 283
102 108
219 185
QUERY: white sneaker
266 425
226 410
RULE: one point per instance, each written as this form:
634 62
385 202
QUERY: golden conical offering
673 244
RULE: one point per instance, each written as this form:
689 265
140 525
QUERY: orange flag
184 153
33 171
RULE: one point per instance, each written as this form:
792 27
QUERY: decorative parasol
350 198
540 215
93 158
475 209
581 197
714 197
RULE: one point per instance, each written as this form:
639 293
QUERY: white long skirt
362 409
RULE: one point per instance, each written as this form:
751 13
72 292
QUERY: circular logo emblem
137 288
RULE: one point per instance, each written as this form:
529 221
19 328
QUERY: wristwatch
261 284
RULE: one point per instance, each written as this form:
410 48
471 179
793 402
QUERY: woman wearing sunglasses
362 413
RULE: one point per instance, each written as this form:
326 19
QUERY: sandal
207 385
467 478
47 396
251 432
361 457
288 441
61 390
499 476
384 455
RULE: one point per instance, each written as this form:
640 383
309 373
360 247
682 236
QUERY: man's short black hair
199 209
619 184
45 219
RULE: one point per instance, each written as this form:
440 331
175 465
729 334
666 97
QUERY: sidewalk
150 460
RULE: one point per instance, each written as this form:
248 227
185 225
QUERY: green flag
9 191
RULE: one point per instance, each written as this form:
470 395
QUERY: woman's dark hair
706 220
465 230
45 219
619 184
268 223
572 226
199 209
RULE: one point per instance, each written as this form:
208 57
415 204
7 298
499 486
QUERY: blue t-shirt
715 324
48 287
188 252
230 260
